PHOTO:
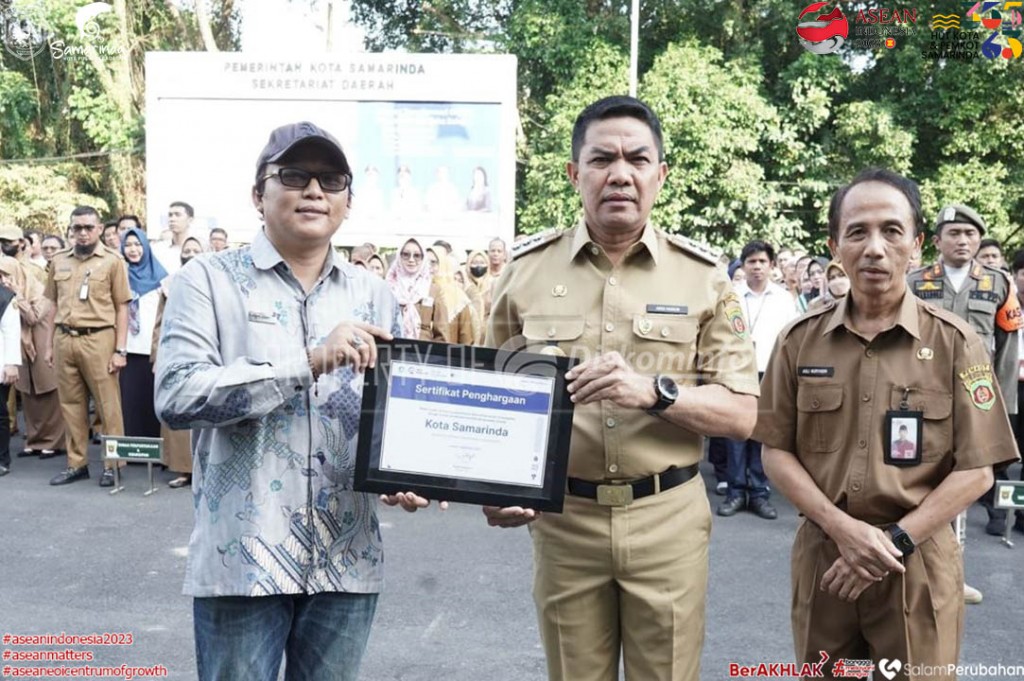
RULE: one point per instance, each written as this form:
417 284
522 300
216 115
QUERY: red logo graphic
890 43
822 31
982 395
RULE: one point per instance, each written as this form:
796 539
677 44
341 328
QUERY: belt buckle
73 332
615 495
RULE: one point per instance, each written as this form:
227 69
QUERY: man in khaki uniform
877 571
88 285
666 358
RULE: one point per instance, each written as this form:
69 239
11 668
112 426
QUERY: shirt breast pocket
819 417
937 409
565 332
663 344
982 315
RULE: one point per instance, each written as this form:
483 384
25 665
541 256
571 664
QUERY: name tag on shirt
262 318
816 372
667 309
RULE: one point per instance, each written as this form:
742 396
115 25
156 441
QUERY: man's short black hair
1018 262
79 211
757 246
988 242
181 204
219 230
133 218
53 237
31 234
903 427
617 106
904 185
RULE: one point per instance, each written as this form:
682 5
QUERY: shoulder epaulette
695 248
948 317
535 241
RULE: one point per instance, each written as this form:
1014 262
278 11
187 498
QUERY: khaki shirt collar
581 239
907 317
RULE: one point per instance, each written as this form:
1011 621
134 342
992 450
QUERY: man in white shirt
179 224
767 309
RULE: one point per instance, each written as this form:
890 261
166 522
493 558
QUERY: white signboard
430 138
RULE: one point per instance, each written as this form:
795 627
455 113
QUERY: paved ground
457 604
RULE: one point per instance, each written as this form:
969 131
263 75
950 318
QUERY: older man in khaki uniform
88 285
666 359
876 569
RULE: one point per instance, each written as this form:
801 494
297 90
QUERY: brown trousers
630 578
44 423
81 363
177 449
916 618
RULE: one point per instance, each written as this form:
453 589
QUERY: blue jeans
243 638
718 455
745 472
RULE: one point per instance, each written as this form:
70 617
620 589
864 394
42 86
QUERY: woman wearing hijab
837 285
463 324
145 274
376 265
177 443
423 313
478 285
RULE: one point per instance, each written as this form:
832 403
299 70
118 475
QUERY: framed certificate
463 423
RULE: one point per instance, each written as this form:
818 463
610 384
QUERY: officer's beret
959 213
10 232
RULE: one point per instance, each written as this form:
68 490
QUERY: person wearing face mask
177 443
479 284
89 288
424 314
37 382
837 285
463 324
145 274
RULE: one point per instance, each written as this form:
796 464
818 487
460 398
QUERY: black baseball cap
287 137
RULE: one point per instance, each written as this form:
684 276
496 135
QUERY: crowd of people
879 389
444 297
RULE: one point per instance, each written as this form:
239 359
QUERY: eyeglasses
411 255
330 181
82 228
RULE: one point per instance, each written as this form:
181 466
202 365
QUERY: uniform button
855 487
298 388
862 444
551 332
815 404
609 327
595 250
665 332
869 353
613 281
613 469
610 423
866 397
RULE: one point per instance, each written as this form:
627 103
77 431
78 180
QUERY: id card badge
83 291
903 430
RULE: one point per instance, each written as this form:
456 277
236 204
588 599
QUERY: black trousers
5 428
137 398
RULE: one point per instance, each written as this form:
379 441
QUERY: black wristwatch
901 539
667 391
121 351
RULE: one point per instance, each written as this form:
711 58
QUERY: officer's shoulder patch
694 248
919 273
535 241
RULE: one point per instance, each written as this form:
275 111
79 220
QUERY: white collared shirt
766 314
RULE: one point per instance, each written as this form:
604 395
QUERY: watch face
668 387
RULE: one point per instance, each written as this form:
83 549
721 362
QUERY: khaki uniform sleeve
120 291
776 408
467 328
50 290
981 431
725 353
504 322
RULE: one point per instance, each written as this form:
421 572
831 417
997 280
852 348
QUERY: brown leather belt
81 331
624 493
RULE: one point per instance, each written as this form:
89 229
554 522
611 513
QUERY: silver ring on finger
357 342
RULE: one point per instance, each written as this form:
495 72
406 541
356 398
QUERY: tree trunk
203 18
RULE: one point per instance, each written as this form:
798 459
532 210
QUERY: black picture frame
371 477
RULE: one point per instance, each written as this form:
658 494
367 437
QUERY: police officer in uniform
88 285
666 358
984 297
877 570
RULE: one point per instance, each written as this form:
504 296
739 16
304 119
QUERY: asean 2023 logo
822 30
